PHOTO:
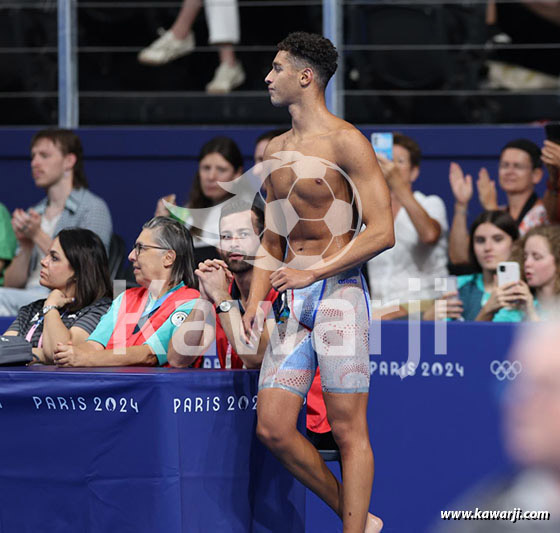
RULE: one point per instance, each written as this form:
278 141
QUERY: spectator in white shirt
408 270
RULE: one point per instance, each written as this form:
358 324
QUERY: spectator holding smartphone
538 291
478 297
420 221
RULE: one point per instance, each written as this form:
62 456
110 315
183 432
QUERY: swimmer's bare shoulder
351 150
277 144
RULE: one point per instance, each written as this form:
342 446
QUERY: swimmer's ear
306 77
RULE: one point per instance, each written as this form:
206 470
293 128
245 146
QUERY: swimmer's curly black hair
314 50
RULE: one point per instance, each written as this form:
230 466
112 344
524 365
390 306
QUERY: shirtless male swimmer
320 296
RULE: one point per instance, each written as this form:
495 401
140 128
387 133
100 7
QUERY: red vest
131 309
316 409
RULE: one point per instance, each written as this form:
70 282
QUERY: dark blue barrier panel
190 453
134 451
132 168
434 434
5 322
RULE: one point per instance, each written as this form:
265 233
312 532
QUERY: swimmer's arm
270 252
356 157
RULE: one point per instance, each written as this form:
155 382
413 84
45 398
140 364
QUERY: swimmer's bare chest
311 186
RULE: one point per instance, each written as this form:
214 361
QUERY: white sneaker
226 78
517 78
166 48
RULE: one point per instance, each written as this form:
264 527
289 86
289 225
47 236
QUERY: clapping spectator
550 155
519 171
58 168
76 273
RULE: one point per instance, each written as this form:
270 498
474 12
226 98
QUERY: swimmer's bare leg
347 416
277 411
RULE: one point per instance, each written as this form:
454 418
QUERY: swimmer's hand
253 324
290 278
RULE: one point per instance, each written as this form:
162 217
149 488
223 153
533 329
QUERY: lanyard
150 310
33 328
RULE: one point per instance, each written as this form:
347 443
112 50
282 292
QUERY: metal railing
332 25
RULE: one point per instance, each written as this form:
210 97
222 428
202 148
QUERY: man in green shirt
8 241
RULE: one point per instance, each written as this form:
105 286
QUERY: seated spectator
550 155
8 241
138 326
479 297
57 166
420 250
539 290
519 171
77 274
225 285
219 161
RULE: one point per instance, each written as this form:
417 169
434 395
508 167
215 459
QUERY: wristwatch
224 307
47 308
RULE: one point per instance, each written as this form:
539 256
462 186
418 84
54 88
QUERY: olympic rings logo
505 369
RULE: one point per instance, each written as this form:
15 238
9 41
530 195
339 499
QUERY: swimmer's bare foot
374 524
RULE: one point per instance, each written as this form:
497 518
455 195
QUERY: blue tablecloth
153 450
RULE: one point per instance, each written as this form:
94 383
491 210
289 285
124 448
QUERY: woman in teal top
539 290
478 297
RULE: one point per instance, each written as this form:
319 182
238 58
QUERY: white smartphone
451 284
382 143
508 272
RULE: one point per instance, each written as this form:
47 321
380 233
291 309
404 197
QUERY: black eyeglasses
138 247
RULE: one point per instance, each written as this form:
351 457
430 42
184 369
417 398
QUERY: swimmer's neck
310 116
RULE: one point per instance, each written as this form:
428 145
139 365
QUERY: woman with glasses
76 272
519 171
139 326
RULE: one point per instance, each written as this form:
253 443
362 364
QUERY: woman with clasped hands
76 271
